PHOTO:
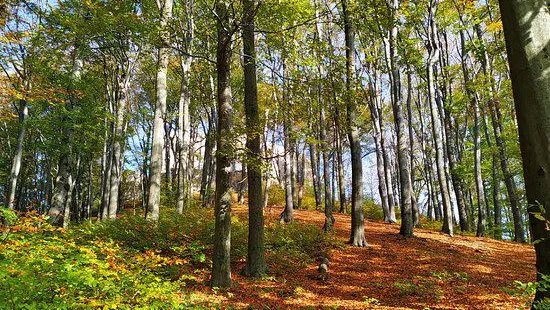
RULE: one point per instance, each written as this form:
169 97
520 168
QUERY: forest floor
430 271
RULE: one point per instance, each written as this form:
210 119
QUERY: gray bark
255 263
526 25
17 157
221 271
357 232
184 136
163 53
433 49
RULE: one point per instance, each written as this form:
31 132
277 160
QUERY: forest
274 154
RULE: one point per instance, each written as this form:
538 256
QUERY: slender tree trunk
184 135
511 189
255 263
17 158
301 176
433 49
374 103
387 168
456 179
167 153
59 212
207 165
403 159
106 184
496 119
339 161
221 271
329 219
155 175
267 174
90 196
315 174
117 150
357 233
414 204
481 214
286 215
62 195
481 223
242 183
526 25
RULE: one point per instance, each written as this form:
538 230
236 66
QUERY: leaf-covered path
431 271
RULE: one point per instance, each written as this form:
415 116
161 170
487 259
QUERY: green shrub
7 216
527 290
42 267
276 196
372 210
132 263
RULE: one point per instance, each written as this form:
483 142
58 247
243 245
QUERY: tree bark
287 214
340 162
403 159
160 110
526 25
118 142
221 271
357 233
433 49
18 156
255 263
329 219
184 135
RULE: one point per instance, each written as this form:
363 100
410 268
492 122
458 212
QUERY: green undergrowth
131 263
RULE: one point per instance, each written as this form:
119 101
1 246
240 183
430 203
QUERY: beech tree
255 260
526 25
221 271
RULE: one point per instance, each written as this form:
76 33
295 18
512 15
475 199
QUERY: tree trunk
526 25
496 119
117 150
255 263
59 212
62 196
433 49
357 233
17 157
208 165
221 271
511 189
403 159
481 214
339 162
374 103
414 204
481 223
184 135
456 179
286 215
301 158
329 219
315 174
242 183
160 110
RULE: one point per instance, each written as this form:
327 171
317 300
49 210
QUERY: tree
184 119
221 271
357 234
526 25
255 262
163 53
437 132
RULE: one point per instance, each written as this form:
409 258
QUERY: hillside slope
431 271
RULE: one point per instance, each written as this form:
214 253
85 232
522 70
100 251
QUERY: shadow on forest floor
432 271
